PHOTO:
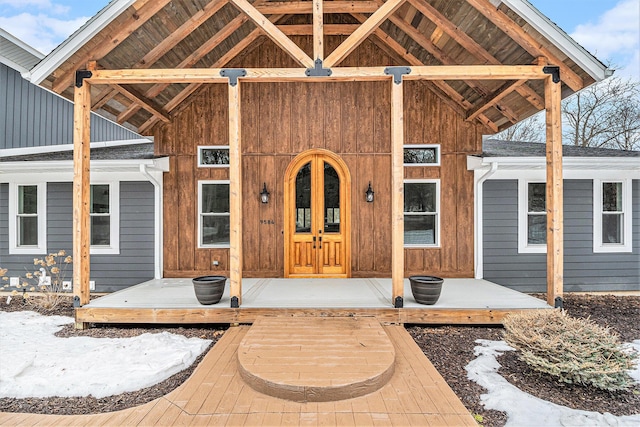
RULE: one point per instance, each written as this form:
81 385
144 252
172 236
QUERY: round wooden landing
309 359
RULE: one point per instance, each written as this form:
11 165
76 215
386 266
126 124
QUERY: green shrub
576 351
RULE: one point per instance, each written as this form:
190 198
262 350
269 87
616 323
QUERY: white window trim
213 147
436 146
437 214
41 248
114 226
627 238
523 212
200 184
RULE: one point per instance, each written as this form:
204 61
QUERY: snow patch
36 363
523 409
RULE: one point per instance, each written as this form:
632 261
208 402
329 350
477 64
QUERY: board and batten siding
31 116
281 120
135 262
584 270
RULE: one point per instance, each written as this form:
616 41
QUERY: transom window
532 217
612 216
422 155
213 217
421 213
213 156
28 216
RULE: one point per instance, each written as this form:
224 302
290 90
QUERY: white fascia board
559 38
9 63
62 171
585 163
71 45
24 151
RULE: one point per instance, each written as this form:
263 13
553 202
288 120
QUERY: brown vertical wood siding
352 119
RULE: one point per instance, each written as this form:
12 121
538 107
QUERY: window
213 156
28 219
532 217
422 155
213 214
612 216
104 208
421 213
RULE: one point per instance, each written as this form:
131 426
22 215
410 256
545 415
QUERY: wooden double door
317 216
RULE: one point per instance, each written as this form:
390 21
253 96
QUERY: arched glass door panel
331 200
303 199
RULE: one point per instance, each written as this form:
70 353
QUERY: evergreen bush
576 351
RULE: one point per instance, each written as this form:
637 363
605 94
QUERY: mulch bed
450 349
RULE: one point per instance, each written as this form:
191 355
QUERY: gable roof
16 54
138 151
212 33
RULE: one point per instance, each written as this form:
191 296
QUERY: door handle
314 242
320 240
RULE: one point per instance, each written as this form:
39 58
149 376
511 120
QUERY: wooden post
555 227
235 195
397 192
318 30
81 187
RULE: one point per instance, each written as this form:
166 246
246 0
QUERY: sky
39 364
610 29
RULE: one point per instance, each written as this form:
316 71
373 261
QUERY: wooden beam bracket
397 73
554 71
233 74
81 75
318 70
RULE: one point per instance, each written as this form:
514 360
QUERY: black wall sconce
264 194
369 194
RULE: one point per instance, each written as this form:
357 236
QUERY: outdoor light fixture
369 193
264 194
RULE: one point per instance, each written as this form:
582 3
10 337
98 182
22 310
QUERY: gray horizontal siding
135 262
583 269
31 116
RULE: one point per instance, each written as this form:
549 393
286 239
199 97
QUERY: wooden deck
463 301
216 394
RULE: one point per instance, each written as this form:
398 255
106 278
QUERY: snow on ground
524 409
35 363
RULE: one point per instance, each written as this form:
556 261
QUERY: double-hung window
213 214
28 219
612 216
532 217
104 216
421 213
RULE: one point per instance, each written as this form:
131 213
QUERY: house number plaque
267 222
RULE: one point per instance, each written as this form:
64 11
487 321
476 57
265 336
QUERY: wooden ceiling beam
449 95
359 35
493 99
139 99
129 112
526 40
328 29
274 33
203 50
103 97
471 46
180 34
306 7
124 30
318 30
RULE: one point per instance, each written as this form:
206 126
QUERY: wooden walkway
217 395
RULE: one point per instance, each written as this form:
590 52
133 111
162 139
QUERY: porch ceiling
217 33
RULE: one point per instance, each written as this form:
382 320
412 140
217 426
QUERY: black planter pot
426 289
209 289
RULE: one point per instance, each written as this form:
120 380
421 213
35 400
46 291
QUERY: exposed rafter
527 41
274 33
306 7
132 23
318 30
493 99
359 35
